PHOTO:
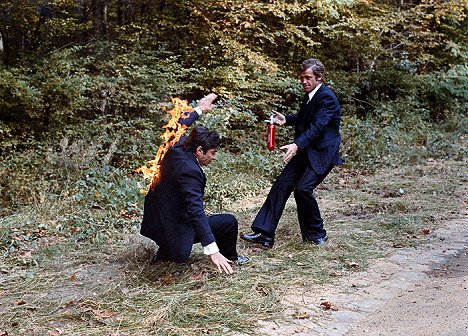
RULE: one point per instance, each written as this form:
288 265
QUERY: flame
173 131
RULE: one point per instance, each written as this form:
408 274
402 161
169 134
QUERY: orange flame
173 131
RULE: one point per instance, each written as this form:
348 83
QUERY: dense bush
81 99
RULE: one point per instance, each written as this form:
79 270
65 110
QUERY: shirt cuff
210 248
198 110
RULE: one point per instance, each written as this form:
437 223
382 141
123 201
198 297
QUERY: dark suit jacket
317 129
174 214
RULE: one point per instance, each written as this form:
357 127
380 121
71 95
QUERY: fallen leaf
25 254
300 329
262 290
301 315
103 314
68 303
20 302
74 230
196 276
328 306
167 280
426 231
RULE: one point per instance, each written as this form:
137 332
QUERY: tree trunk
5 48
120 11
161 5
105 22
1 48
99 16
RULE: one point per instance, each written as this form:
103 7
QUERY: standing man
174 215
309 159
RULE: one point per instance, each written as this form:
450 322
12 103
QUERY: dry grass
52 284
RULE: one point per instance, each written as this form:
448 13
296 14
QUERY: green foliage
89 153
122 79
235 177
39 95
401 131
362 143
81 98
18 98
17 171
108 188
81 94
445 92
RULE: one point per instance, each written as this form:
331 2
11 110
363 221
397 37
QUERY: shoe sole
257 243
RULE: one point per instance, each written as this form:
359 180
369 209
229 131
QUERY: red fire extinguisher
271 142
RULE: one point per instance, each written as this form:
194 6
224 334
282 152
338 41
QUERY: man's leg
310 220
224 228
270 213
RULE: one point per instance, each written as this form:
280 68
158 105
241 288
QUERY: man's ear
199 150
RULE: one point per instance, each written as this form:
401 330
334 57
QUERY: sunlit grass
63 281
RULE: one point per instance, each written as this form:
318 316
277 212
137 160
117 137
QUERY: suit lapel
310 105
316 95
304 104
304 100
203 173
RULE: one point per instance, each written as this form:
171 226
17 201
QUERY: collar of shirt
199 165
198 110
312 93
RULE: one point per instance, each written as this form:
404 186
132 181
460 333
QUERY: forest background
85 85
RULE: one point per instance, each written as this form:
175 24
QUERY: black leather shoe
258 238
241 260
319 241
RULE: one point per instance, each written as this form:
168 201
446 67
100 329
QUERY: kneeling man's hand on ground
222 263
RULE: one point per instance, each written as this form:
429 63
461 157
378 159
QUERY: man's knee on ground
175 256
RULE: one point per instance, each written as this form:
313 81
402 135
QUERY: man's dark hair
317 67
200 136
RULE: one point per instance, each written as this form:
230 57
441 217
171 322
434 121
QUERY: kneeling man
174 215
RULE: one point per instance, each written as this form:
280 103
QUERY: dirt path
412 291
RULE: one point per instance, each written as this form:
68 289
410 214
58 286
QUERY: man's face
308 80
204 159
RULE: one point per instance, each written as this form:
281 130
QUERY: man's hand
206 103
279 119
290 150
222 263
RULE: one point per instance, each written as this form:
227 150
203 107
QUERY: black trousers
224 228
299 176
